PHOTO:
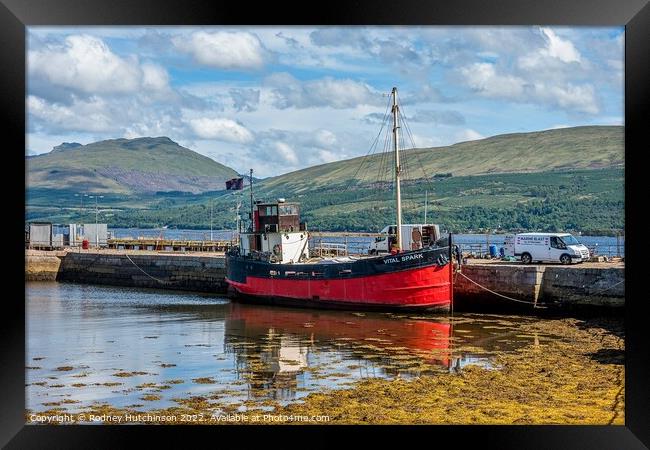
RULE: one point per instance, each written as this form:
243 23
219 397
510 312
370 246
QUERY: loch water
125 347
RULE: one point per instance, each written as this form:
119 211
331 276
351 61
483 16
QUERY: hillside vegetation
126 166
592 147
555 180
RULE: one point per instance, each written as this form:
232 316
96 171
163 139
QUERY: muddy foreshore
575 378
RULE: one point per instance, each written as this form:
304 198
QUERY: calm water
604 245
81 339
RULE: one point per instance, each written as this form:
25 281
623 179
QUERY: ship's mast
398 202
426 198
252 218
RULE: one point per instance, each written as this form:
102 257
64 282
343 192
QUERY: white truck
545 247
414 237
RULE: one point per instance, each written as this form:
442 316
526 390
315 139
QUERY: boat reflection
272 345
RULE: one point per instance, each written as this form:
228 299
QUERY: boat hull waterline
419 279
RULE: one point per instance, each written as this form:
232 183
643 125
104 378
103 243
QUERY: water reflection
280 348
125 347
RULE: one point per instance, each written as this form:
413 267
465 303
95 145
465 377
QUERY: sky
277 99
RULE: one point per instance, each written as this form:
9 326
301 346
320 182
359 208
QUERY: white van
545 247
414 236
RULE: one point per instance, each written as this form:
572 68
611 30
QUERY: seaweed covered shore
575 376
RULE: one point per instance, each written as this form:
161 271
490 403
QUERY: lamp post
81 206
96 215
81 201
81 211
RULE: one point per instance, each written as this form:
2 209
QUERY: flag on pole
235 184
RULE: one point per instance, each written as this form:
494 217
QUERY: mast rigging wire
372 146
382 163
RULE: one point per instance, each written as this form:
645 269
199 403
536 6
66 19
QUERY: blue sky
282 98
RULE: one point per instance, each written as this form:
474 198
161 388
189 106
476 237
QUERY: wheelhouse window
268 210
288 210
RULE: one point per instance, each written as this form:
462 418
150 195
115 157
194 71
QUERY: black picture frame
15 15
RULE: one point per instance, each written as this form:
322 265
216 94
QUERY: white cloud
438 117
85 63
280 150
559 48
554 56
531 76
483 78
221 129
154 77
336 93
325 138
245 99
85 116
580 98
223 49
339 36
426 94
425 141
286 153
155 123
327 156
468 135
106 118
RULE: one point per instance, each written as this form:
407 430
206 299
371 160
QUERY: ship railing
329 249
355 245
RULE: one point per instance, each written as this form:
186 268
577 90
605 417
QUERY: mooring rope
140 269
500 295
606 289
531 303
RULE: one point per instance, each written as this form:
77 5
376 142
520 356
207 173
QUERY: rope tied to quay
141 270
606 289
535 305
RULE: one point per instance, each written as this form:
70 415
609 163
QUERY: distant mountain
66 146
589 147
126 166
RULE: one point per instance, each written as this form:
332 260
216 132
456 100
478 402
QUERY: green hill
125 166
557 180
591 147
561 179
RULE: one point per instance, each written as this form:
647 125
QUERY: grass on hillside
579 200
592 147
122 166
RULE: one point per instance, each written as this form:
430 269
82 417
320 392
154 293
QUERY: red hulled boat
272 263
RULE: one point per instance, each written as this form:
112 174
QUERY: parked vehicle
545 247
